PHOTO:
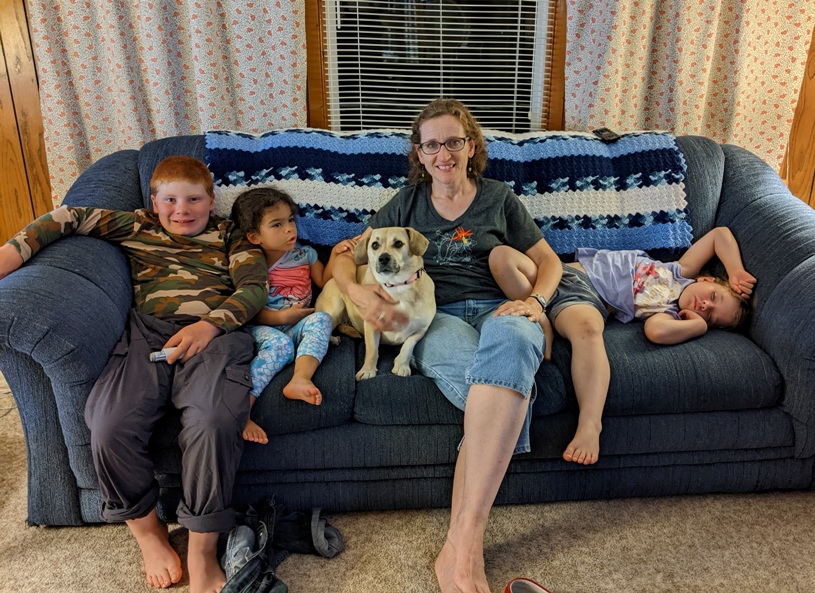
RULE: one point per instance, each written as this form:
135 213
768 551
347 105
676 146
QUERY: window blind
386 59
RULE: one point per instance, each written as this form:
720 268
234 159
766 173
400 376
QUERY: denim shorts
575 288
466 345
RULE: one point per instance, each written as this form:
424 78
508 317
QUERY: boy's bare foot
585 446
206 575
254 433
304 389
465 575
162 566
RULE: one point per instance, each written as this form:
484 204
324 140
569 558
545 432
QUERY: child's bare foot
304 389
254 433
585 446
206 575
162 566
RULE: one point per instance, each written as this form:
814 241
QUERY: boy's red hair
182 168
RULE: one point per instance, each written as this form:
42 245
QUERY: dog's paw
401 370
334 340
365 374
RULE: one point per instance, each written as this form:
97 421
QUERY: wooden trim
25 191
798 166
315 45
557 89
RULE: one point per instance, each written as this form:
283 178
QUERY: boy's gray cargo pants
211 393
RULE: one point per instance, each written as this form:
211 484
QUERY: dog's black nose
385 258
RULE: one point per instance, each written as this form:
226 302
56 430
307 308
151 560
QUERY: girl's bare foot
162 566
585 446
206 575
254 433
304 389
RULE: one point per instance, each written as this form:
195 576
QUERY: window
383 60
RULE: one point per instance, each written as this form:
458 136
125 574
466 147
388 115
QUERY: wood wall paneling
25 190
798 167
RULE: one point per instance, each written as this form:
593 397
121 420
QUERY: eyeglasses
451 144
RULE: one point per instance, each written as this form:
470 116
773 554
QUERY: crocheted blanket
629 194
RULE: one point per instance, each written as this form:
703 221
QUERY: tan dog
394 258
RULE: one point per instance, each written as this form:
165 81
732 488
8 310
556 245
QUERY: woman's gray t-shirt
457 258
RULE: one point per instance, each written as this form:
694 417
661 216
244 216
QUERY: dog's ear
417 241
361 251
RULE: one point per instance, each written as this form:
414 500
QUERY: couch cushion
719 371
335 378
389 399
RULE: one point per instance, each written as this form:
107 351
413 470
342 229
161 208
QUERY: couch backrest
681 176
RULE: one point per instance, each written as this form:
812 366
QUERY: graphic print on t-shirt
454 246
655 289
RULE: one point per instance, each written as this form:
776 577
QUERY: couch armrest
60 316
111 182
776 235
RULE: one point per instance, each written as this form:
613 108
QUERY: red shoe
521 585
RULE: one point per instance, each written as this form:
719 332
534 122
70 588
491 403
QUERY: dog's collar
413 278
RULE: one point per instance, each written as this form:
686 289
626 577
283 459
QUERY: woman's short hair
472 130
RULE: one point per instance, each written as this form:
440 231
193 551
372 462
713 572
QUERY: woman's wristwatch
541 300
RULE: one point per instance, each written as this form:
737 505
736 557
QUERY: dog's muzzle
385 264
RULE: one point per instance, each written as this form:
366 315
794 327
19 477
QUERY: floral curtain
115 74
726 69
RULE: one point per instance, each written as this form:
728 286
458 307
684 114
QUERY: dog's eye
375 245
398 244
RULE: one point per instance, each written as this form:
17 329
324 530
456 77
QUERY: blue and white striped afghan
582 192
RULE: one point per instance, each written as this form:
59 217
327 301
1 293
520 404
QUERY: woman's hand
532 310
520 309
377 307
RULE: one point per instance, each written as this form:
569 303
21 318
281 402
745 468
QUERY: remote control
606 135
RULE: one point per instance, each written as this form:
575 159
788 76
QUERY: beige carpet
721 543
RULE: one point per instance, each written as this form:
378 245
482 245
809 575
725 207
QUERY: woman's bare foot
460 572
304 389
162 566
254 433
206 575
585 446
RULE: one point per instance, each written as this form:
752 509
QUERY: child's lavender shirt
633 283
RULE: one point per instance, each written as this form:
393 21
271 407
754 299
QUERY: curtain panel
726 69
115 74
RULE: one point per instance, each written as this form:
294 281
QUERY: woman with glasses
481 350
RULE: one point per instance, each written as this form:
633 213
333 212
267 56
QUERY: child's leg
514 272
161 563
211 393
516 275
312 336
583 326
206 574
274 351
252 431
124 405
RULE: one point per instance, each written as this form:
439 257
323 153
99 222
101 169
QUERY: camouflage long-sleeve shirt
216 275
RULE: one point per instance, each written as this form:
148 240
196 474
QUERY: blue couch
729 412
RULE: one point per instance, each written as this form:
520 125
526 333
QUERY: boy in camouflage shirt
196 282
